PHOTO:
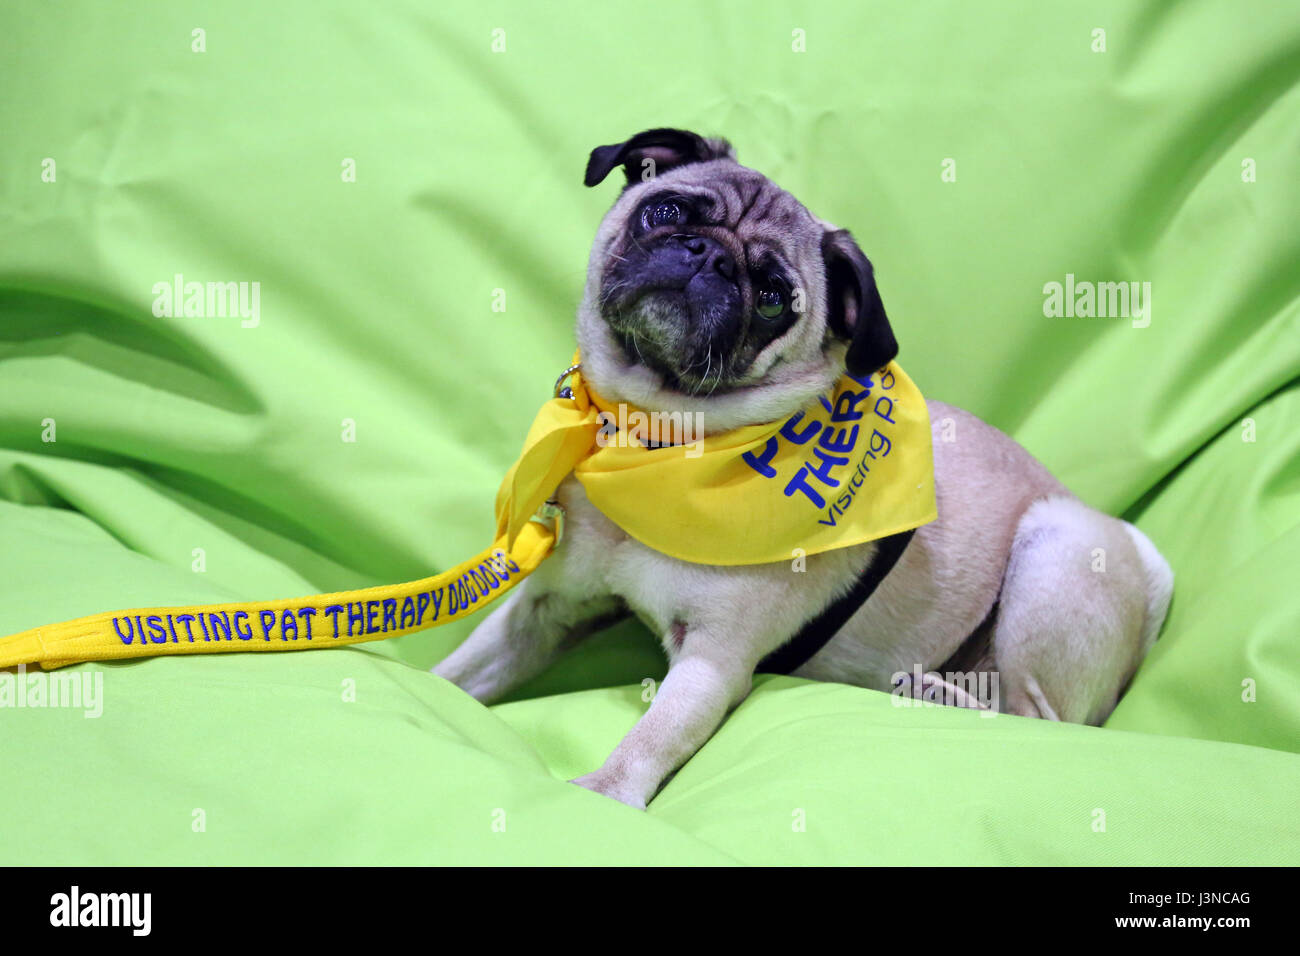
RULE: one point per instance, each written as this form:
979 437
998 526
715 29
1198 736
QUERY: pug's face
711 289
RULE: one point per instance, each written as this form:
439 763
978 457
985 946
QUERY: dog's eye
770 298
664 214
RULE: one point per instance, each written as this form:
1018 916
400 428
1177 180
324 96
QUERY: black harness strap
815 634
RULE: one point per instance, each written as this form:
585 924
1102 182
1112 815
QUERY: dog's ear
654 151
856 312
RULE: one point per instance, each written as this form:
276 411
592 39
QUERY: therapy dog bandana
854 467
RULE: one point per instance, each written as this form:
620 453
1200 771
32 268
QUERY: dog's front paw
611 785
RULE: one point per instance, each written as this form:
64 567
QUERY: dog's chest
598 558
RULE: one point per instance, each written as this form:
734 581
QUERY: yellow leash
853 468
322 620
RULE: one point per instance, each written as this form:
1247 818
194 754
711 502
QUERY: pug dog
712 291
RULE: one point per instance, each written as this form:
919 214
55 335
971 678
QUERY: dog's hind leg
1075 614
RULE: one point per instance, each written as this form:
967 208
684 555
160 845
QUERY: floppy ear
856 312
664 148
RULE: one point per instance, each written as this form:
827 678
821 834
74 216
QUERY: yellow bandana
854 467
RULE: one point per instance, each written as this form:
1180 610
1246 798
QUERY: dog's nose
713 253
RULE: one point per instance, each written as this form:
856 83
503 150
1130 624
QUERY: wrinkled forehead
760 213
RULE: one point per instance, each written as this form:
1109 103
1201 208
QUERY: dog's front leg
531 627
703 684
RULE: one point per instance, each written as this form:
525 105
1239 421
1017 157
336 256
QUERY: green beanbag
403 185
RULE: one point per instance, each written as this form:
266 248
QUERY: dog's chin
648 335
707 375
628 356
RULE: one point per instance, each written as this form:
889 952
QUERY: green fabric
376 309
